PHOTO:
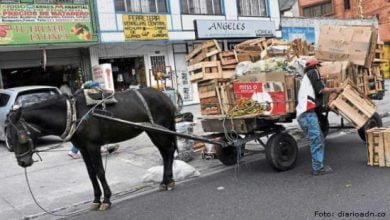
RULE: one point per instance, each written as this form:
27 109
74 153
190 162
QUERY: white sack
181 171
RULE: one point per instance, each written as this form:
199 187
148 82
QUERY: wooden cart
281 148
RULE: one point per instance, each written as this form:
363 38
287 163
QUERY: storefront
140 55
45 43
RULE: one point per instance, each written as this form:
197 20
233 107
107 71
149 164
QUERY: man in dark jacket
310 99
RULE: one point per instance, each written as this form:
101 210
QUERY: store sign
103 75
206 29
145 27
45 23
305 33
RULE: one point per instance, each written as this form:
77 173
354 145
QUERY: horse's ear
15 113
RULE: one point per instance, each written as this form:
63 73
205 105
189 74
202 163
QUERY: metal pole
160 129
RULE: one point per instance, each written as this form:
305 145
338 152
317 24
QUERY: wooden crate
353 106
228 57
207 51
379 52
221 90
290 92
378 147
243 55
205 70
210 106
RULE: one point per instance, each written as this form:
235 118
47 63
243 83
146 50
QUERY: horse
53 117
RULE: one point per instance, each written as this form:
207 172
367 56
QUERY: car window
31 97
4 99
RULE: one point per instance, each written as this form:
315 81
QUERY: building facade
351 9
45 42
142 37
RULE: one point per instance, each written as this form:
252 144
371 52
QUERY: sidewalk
61 184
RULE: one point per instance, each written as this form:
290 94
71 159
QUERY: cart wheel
281 151
374 121
228 155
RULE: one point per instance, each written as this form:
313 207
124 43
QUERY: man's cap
313 62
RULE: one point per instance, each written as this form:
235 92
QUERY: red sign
263 93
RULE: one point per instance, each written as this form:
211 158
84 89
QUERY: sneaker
324 170
73 155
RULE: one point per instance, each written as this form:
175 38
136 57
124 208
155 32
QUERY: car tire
8 145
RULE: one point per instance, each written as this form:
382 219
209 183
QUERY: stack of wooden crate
378 146
353 105
368 81
261 48
216 96
207 62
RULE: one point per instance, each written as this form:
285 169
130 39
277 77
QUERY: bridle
70 128
23 138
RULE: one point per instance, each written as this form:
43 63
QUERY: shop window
347 4
80 2
201 7
252 8
141 6
158 64
323 9
9 1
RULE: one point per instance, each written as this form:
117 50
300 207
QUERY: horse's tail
173 128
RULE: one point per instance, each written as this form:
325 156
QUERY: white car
22 96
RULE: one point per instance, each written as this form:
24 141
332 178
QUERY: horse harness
71 119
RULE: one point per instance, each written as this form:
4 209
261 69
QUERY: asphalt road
256 191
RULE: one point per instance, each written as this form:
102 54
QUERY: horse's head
18 137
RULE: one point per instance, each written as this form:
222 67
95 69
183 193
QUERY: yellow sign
145 27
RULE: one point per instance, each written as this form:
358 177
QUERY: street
255 191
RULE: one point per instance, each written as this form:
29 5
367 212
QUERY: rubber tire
374 121
228 155
289 146
9 147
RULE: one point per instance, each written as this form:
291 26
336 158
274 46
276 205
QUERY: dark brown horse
53 117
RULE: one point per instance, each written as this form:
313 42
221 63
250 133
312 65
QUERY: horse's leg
101 174
92 176
166 146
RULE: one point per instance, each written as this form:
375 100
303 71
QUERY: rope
37 203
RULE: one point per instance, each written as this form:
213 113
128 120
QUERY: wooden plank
386 142
370 144
381 150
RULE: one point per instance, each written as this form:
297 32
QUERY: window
205 7
347 4
141 6
80 2
322 9
158 64
252 8
9 1
4 99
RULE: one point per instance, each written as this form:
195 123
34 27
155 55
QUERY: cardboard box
353 43
263 77
103 75
337 69
270 93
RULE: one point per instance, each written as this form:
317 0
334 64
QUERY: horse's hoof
95 205
104 206
171 186
163 187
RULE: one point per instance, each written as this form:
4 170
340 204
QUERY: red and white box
270 93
